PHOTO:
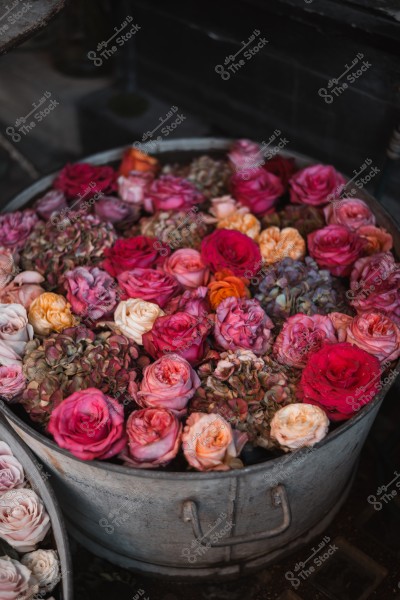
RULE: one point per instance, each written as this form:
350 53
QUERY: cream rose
24 521
16 580
134 317
50 312
11 472
297 425
45 567
15 330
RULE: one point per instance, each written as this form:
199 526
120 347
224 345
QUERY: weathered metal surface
39 482
147 520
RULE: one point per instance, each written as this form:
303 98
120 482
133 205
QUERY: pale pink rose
187 267
302 335
154 437
134 188
24 521
352 213
16 580
24 289
53 201
15 228
245 154
8 356
15 330
12 381
226 206
210 444
297 425
91 292
377 239
113 210
340 322
12 474
7 266
375 333
169 383
316 185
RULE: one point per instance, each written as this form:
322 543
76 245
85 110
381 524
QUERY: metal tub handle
279 498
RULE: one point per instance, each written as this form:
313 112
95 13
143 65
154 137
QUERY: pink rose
15 331
179 333
259 191
340 323
210 444
111 209
135 187
168 383
53 201
12 381
16 580
172 193
24 289
245 154
316 185
154 436
375 285
335 248
89 424
149 285
16 227
12 474
187 267
24 521
375 333
91 292
302 335
7 266
194 302
242 323
352 213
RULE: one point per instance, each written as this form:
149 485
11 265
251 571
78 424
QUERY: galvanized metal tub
148 520
37 476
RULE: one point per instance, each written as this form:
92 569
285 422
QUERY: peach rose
134 317
246 223
16 580
187 267
340 322
210 444
375 333
23 289
378 239
226 285
24 521
276 244
297 425
226 206
50 312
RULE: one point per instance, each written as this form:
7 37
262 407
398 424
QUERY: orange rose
245 223
378 239
226 285
276 244
50 312
135 160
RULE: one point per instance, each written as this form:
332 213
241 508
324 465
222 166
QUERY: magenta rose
302 335
53 201
12 474
187 267
16 227
113 210
352 213
179 333
242 323
89 424
245 154
91 292
168 383
375 333
229 249
193 302
335 248
135 187
316 185
83 179
172 193
375 285
259 191
148 284
130 253
12 381
154 437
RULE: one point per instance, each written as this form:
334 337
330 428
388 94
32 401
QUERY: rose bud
53 201
134 317
210 444
352 214
50 312
11 471
15 331
375 333
335 248
316 185
91 292
24 521
154 437
89 424
259 191
187 267
298 425
168 383
16 581
45 567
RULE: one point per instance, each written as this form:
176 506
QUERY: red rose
259 191
85 180
181 333
335 248
340 378
316 185
282 167
172 193
149 285
128 254
230 249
